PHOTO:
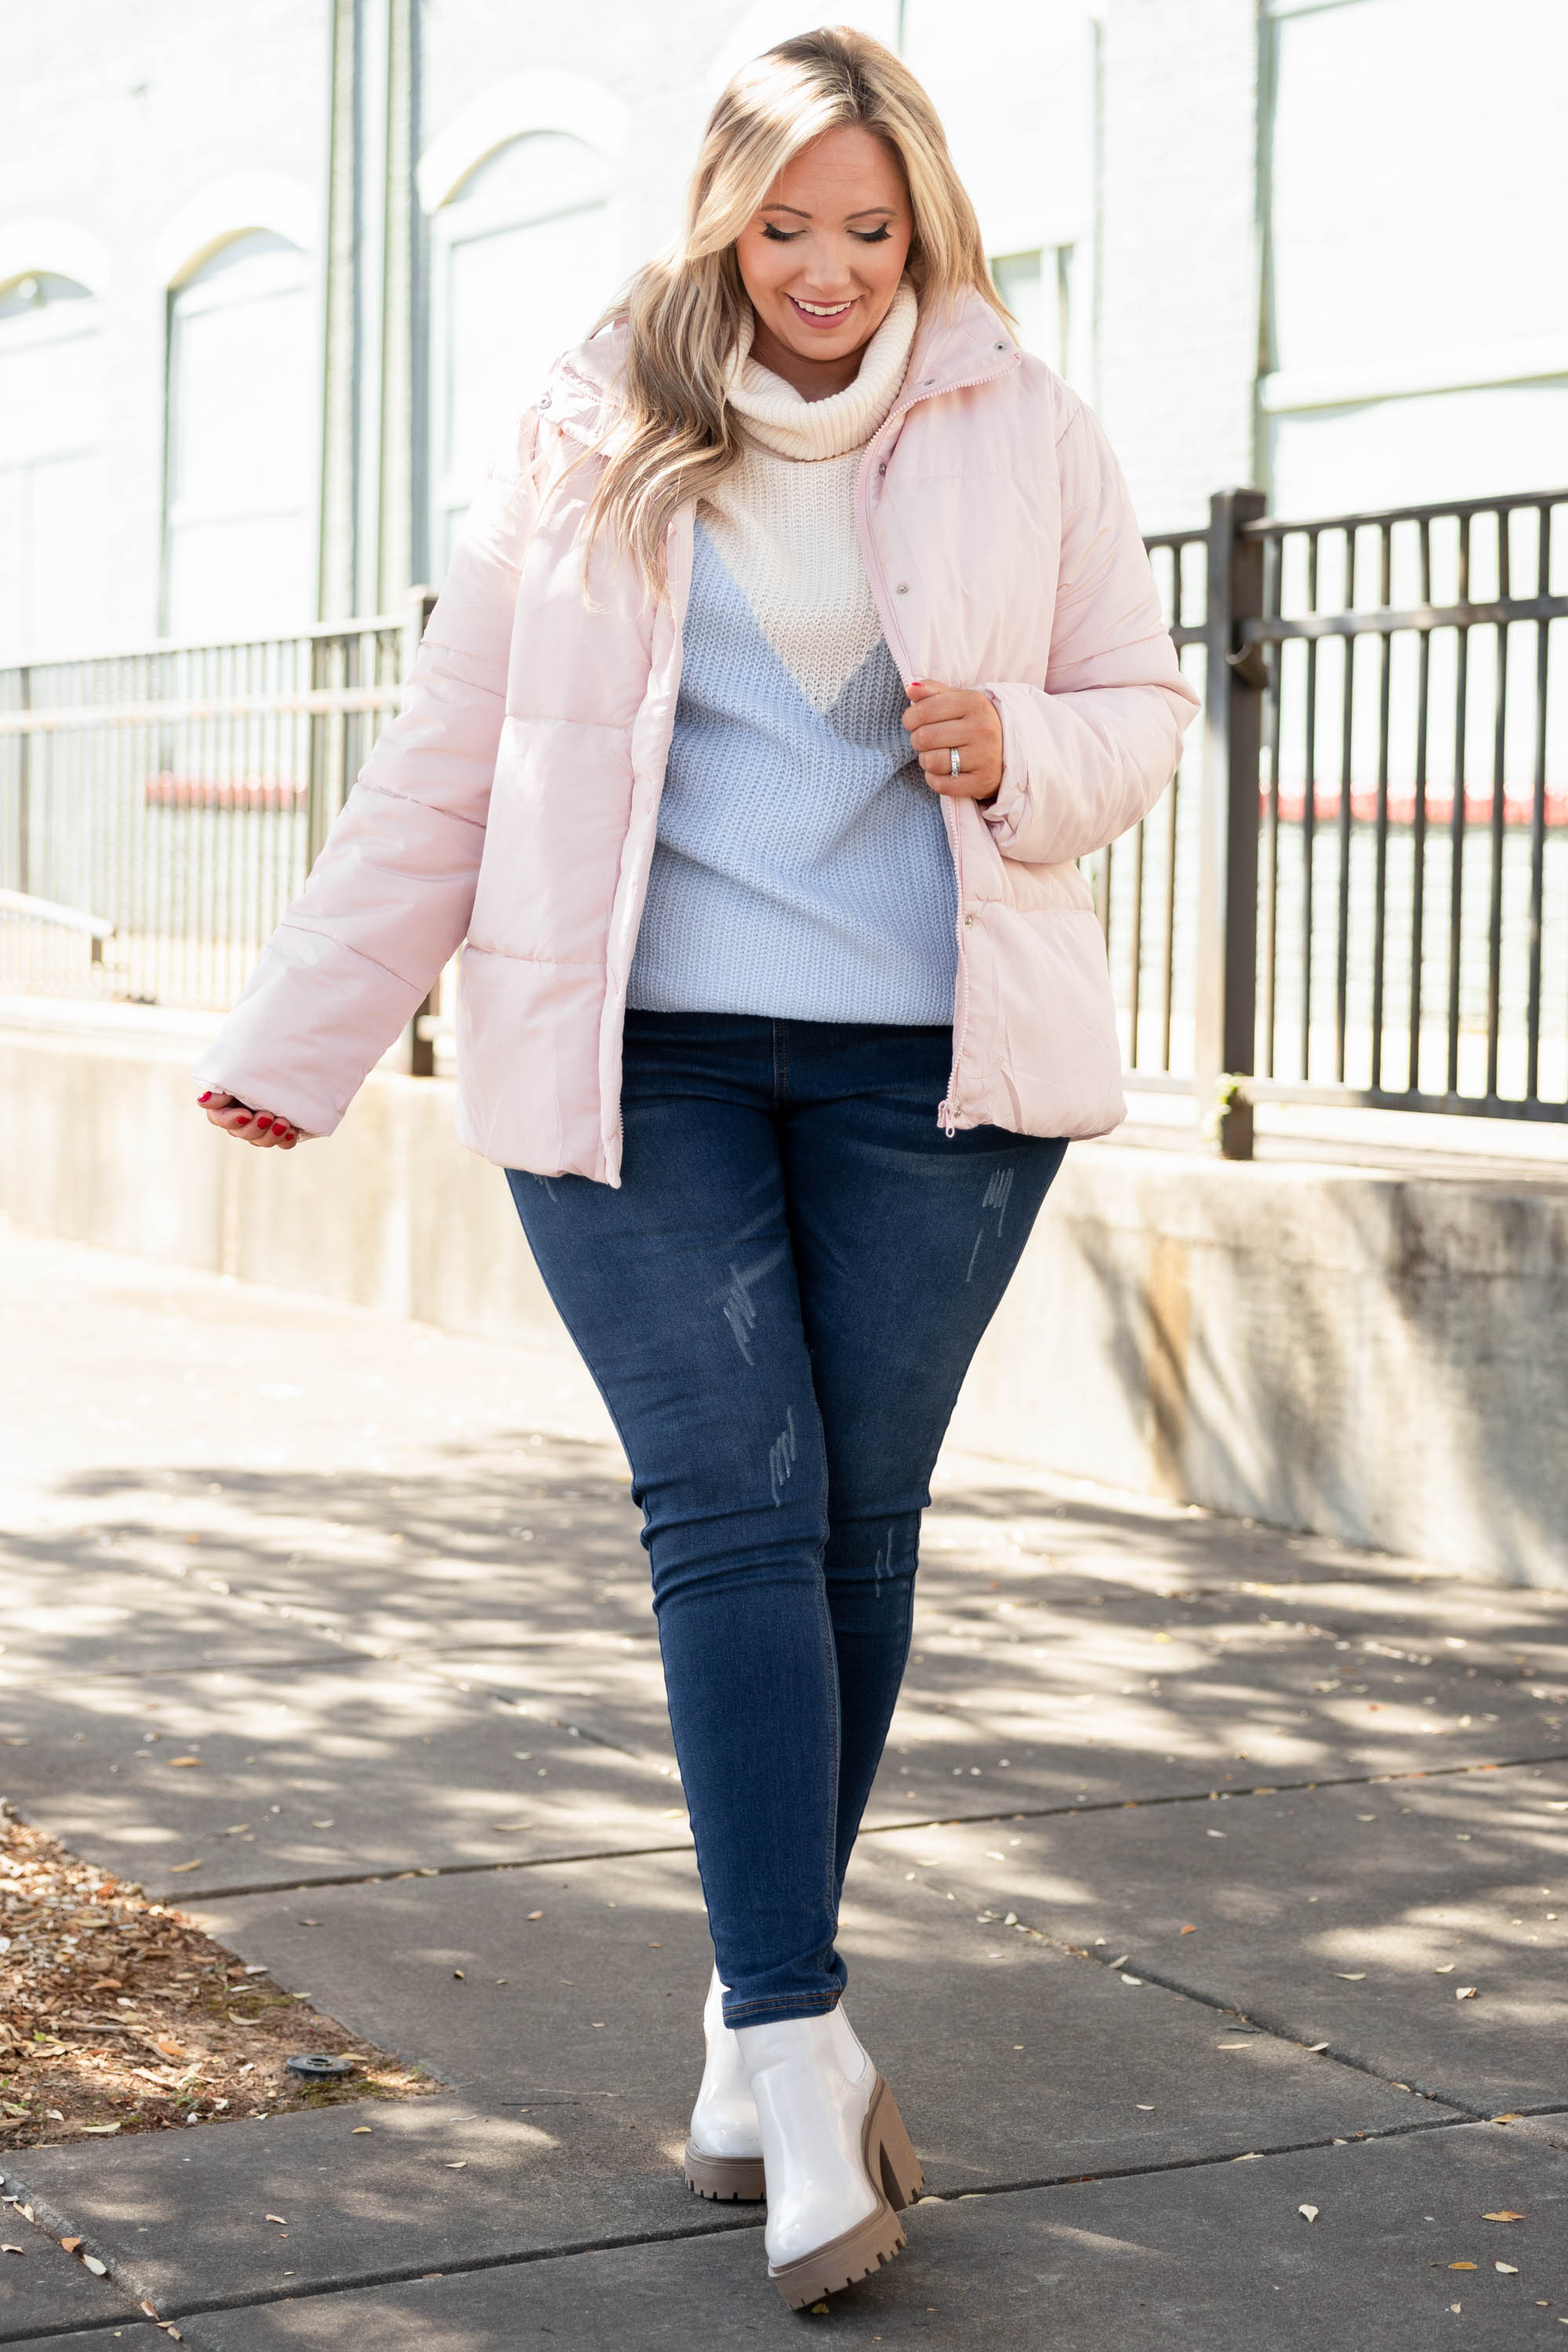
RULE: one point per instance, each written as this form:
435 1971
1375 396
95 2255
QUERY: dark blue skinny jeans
779 1305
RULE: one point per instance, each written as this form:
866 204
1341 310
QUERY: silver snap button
883 467
967 921
904 588
1000 347
544 400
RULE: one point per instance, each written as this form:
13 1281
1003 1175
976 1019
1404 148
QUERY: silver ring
954 765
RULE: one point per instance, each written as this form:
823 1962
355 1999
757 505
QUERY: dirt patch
118 2014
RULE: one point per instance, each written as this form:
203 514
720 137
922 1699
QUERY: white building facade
271 283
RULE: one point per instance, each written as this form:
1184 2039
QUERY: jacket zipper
947 1109
678 614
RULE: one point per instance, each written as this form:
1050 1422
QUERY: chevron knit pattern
802 867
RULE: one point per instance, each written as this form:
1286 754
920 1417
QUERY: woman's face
823 257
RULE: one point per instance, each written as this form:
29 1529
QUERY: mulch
119 2014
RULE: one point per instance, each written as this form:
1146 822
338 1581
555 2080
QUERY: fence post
23 788
1226 994
420 604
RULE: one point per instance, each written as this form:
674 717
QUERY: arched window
239 533
51 429
524 258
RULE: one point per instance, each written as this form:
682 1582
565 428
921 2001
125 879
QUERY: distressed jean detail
779 1305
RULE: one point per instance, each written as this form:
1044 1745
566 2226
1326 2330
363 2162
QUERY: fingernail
243 1120
207 1097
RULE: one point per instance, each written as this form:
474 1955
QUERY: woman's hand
942 720
236 1119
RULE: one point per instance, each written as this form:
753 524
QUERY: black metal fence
1356 891
160 808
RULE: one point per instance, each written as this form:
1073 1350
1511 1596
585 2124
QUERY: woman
784 671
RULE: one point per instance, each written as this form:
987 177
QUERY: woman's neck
813 379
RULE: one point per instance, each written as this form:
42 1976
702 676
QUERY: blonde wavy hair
675 436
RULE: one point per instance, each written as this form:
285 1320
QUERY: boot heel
902 2177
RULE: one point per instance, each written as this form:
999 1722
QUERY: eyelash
861 236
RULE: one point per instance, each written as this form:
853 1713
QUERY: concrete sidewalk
1189 1835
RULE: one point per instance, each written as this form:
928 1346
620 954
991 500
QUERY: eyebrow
888 211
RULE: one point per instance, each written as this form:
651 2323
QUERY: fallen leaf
1132 1980
536 1914
1308 2212
358 2128
1461 2266
12 2250
169 2048
177 1763
461 1977
1502 2217
100 2270
1352 1976
1189 1931
457 2164
101 2130
1465 1993
1509 2270
1446 1969
278 2218
1314 2047
70 2244
176 1867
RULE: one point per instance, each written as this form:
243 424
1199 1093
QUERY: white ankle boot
838 2162
724 2153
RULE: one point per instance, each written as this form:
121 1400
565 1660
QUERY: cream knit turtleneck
784 420
784 521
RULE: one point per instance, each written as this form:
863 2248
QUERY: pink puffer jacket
512 805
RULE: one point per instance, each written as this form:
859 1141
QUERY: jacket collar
960 345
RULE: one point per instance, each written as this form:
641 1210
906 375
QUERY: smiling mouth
821 314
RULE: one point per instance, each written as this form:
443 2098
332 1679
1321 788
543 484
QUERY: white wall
113 121
1421 217
1417 317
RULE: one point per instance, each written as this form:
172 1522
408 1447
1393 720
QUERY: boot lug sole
726 2179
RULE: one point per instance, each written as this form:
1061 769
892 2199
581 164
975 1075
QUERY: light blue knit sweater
802 868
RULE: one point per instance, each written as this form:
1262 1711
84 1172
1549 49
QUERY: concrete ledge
1372 1355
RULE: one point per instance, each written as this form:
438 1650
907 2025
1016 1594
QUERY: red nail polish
207 1097
262 1125
243 1120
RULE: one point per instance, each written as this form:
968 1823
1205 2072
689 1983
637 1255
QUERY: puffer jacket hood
512 807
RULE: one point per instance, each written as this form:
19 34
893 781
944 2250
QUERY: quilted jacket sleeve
1090 752
388 900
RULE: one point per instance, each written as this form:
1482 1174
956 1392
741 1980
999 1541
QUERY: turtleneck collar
781 420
